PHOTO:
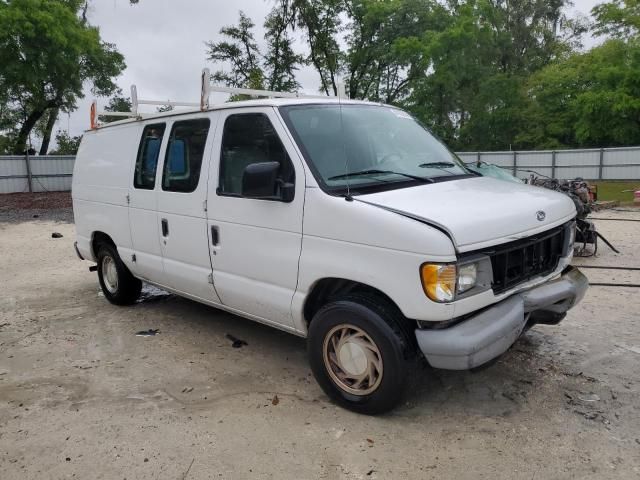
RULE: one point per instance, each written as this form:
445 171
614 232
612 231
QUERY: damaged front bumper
490 333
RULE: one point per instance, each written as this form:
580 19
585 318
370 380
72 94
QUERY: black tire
386 328
128 287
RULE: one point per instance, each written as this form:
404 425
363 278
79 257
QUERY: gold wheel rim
352 359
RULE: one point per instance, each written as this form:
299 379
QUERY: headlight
441 282
467 276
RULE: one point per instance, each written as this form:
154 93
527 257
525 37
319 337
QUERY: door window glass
249 138
147 161
184 155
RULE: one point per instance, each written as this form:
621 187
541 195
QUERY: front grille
516 262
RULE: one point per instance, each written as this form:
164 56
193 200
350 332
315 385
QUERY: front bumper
490 333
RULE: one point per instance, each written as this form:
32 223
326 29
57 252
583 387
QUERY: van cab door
182 195
255 243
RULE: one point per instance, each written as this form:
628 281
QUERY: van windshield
369 146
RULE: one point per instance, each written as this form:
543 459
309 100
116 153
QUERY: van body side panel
100 187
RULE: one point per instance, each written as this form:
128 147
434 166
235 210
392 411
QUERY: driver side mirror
260 181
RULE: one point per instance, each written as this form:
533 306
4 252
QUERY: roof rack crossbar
205 91
207 88
116 114
168 102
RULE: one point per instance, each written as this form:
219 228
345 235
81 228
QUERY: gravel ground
19 207
81 396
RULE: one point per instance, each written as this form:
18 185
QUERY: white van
342 221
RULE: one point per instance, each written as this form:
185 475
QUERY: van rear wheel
119 286
360 354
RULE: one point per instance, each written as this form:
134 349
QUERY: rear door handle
165 227
215 235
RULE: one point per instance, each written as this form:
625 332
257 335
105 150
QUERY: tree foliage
48 52
460 66
619 18
66 144
117 103
248 66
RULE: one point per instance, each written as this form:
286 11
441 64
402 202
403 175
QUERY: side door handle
165 227
215 235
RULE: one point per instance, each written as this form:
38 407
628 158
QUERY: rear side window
183 159
249 138
147 161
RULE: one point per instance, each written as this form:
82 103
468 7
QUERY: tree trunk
53 116
29 123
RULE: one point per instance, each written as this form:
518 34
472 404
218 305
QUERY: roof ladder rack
207 88
135 103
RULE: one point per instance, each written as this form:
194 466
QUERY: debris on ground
148 333
236 342
56 235
187 390
151 293
275 400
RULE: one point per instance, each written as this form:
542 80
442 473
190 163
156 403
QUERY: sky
163 43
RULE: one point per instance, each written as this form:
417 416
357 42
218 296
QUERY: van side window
147 161
183 158
249 138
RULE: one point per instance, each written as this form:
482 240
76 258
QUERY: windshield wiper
375 171
437 165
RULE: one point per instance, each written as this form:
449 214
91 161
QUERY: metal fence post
515 163
29 178
601 164
478 158
553 164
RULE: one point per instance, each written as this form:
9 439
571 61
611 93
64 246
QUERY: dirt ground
81 396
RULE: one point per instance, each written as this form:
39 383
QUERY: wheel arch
99 238
323 290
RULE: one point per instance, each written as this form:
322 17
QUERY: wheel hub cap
110 274
352 359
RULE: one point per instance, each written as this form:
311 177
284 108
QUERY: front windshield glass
363 146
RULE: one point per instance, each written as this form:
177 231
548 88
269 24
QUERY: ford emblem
540 215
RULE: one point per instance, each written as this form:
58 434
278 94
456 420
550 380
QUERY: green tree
588 100
619 18
48 52
471 92
280 62
117 103
67 145
247 66
240 51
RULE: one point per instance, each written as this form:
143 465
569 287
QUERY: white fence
48 173
53 173
590 164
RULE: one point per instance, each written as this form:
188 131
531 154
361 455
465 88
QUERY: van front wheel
119 286
360 354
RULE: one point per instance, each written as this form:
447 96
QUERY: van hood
480 211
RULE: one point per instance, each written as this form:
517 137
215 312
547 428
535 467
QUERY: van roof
266 102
